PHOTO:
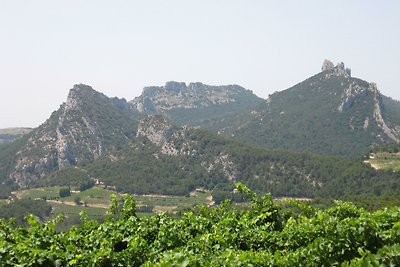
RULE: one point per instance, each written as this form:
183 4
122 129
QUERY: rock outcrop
350 94
379 115
358 91
327 65
156 128
338 70
173 141
84 128
178 95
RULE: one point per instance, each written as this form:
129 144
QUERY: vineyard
260 234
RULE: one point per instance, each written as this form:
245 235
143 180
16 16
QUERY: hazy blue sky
118 47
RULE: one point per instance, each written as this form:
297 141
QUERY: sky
118 47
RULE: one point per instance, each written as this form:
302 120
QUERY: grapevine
261 235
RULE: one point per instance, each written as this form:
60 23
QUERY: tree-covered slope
8 159
8 135
164 159
95 137
330 113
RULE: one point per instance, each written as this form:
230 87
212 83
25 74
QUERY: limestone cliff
195 103
84 128
176 95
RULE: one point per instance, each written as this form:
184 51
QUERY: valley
95 201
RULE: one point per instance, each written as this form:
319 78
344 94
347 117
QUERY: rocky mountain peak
327 65
78 95
175 86
82 87
338 70
82 91
88 125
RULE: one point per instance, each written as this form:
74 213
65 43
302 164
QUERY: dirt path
376 166
72 203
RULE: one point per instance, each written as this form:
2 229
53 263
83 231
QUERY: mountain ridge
158 148
194 103
87 126
74 133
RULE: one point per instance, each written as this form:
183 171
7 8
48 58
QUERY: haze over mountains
152 144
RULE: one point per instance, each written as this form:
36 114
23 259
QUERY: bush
65 192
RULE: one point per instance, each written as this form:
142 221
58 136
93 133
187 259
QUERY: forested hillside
137 147
330 113
11 134
213 162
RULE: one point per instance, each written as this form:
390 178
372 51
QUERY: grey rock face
327 65
353 92
160 132
155 128
175 86
73 134
348 71
338 70
379 115
175 95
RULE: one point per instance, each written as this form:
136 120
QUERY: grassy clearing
387 164
35 193
93 196
385 161
71 210
95 201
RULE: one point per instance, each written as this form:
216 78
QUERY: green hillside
96 138
214 163
334 115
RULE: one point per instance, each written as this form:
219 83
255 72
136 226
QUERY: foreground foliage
262 235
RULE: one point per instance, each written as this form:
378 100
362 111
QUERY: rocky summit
85 127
